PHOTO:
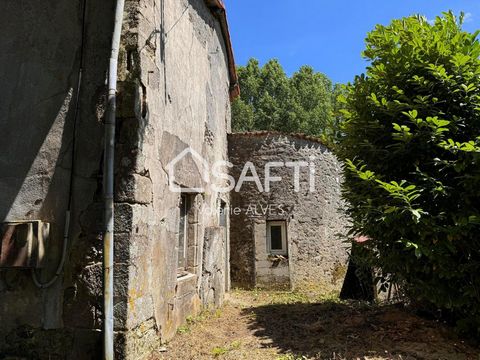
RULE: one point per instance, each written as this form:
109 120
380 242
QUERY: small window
183 234
277 238
222 215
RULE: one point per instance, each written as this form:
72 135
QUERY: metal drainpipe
108 179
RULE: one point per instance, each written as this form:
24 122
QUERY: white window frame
284 250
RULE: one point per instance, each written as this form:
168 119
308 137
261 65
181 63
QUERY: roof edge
217 7
264 133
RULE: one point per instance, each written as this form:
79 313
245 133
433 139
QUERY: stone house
176 78
287 236
173 247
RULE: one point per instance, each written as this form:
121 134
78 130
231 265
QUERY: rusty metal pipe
108 183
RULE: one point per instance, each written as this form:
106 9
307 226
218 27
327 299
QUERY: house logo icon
175 166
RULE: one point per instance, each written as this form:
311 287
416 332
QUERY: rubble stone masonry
315 224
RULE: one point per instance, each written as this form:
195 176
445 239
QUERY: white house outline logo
248 167
171 171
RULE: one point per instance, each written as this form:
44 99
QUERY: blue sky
328 35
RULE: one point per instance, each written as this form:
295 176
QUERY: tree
411 147
270 100
313 93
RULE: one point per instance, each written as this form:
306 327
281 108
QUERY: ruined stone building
173 253
176 77
287 236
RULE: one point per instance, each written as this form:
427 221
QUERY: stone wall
179 80
40 60
173 94
317 257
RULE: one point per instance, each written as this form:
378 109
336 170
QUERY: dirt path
288 326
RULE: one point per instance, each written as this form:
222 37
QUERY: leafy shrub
411 148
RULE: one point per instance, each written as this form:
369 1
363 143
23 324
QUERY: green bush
411 148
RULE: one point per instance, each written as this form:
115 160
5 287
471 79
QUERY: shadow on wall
34 182
34 160
36 99
36 108
36 122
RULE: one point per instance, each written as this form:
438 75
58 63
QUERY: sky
328 35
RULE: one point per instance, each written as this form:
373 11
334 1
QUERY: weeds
268 297
291 357
192 320
222 350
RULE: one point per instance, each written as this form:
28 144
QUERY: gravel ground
289 326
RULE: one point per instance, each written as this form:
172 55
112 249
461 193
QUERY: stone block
134 189
186 285
123 218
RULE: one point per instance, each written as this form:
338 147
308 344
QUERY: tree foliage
412 152
269 100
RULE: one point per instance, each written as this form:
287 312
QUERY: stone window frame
190 230
283 225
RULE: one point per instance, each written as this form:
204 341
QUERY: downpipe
108 182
